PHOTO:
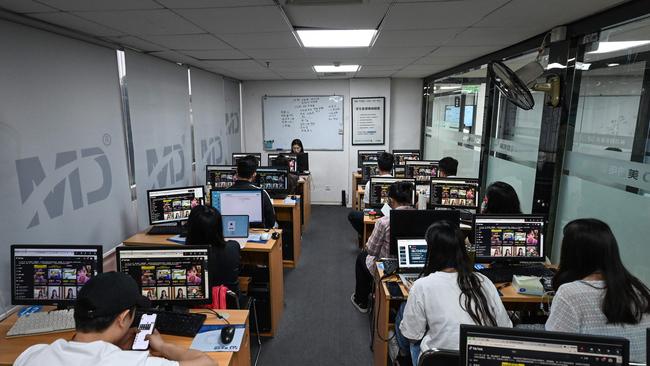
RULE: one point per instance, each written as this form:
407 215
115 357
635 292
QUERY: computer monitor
170 275
378 194
399 171
293 161
461 193
273 180
369 169
303 162
43 274
173 204
402 156
237 156
414 223
239 202
411 254
422 171
510 238
367 155
487 346
235 226
220 176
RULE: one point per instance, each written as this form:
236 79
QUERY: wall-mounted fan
515 84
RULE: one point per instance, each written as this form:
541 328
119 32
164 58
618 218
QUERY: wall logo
167 166
32 175
232 123
212 151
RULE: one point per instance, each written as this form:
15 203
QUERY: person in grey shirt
595 293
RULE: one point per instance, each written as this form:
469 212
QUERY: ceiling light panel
336 38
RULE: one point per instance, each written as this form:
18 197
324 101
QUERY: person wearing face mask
378 245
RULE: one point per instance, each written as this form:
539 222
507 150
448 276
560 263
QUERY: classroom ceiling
254 39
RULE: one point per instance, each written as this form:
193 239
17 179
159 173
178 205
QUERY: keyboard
408 279
174 323
164 230
43 322
504 274
390 266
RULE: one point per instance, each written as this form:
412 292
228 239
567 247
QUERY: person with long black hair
595 293
205 227
296 147
447 294
500 198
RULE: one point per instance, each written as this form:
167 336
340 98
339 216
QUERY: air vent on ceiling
324 2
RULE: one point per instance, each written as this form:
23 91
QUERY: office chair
252 309
439 357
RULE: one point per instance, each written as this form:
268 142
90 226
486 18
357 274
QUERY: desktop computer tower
287 239
260 292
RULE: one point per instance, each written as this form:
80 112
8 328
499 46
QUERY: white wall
331 170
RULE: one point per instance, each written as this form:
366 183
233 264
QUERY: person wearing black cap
103 315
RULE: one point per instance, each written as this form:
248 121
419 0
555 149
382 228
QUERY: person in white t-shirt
104 314
448 294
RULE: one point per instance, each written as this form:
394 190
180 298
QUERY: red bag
219 294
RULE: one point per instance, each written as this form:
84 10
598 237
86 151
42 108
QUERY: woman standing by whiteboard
296 147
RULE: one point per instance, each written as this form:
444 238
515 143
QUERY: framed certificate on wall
368 120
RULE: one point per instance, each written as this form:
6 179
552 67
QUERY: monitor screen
235 226
52 274
509 237
293 161
168 274
422 171
369 169
239 202
414 223
303 162
411 253
378 194
402 156
367 155
237 156
272 179
452 115
454 193
220 176
173 204
487 346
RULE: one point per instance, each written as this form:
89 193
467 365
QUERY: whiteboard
316 120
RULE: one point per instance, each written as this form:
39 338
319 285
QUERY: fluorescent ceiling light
449 87
336 38
333 68
606 47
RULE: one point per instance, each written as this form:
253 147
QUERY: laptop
236 227
411 258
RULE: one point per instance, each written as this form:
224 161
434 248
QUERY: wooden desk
288 217
304 186
383 303
355 202
11 348
267 255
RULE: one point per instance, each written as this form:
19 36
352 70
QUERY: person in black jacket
246 173
205 227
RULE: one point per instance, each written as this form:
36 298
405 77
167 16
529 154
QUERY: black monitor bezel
540 335
302 162
255 154
411 180
169 189
360 152
241 190
407 216
460 181
406 152
61 302
363 179
207 169
288 155
278 191
490 259
186 302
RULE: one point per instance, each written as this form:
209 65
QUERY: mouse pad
208 339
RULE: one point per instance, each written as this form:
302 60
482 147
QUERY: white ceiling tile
24 6
143 22
76 23
416 38
299 76
230 54
196 4
448 14
434 59
189 42
518 13
261 40
399 62
380 68
373 74
468 51
492 36
176 57
237 65
392 52
411 74
282 68
258 76
275 53
83 5
137 43
350 16
336 53
252 19
427 68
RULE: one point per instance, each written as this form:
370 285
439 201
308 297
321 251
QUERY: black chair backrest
439 357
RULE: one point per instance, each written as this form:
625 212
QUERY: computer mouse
227 334
265 236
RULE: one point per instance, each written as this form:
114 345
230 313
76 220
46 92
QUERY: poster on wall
368 120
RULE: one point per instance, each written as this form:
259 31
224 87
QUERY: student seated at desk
378 246
103 316
205 227
385 163
292 179
595 293
447 167
500 198
448 294
246 172
296 147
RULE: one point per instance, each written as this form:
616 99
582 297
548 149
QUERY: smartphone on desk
146 327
